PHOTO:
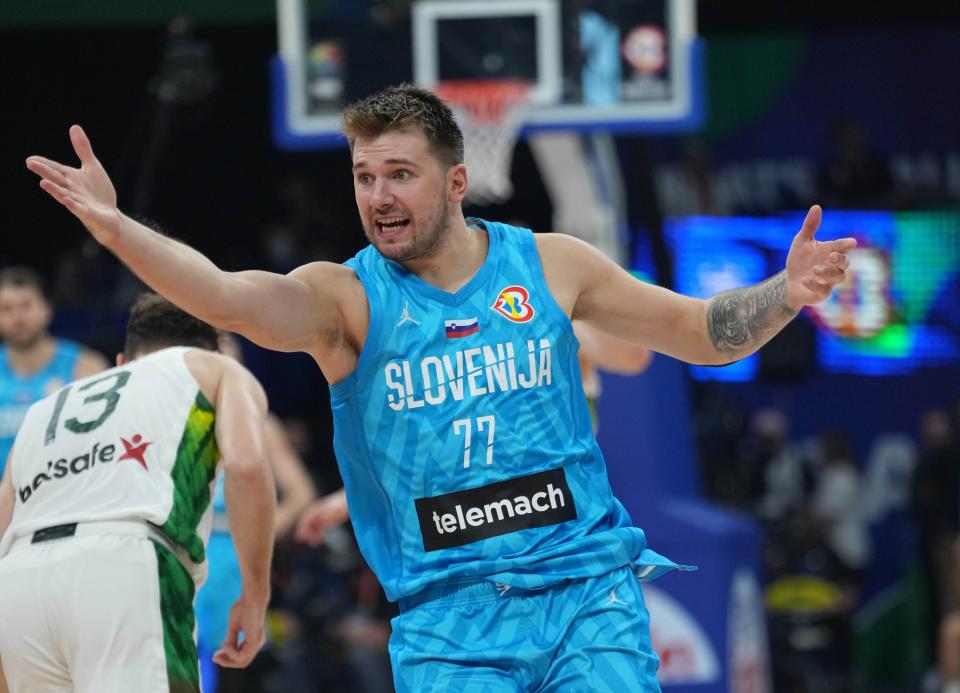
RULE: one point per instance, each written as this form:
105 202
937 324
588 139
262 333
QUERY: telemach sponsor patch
524 502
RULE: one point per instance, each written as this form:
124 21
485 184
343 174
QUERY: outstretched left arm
728 327
740 321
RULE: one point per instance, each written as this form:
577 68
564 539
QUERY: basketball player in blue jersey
32 362
598 352
478 494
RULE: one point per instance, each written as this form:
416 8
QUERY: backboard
620 66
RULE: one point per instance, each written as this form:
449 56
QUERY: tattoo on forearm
742 320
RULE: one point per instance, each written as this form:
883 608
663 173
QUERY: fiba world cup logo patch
513 303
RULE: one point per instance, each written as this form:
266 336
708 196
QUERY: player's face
401 190
24 316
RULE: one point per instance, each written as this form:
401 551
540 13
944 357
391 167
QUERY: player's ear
121 359
457 181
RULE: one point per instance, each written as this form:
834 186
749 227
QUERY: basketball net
490 113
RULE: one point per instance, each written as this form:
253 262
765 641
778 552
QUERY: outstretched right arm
294 312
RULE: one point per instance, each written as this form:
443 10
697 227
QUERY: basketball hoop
490 113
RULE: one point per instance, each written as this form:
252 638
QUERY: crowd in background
838 531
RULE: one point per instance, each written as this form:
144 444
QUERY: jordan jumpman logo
613 598
405 315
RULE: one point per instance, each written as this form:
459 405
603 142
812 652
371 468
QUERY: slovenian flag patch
461 328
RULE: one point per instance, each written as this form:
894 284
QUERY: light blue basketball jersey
17 392
464 438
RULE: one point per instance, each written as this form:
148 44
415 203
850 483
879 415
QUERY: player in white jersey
105 510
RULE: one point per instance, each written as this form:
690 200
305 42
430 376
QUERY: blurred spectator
854 176
774 470
816 556
810 602
33 363
890 466
936 509
837 504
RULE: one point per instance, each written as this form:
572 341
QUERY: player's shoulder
564 251
216 364
320 269
212 362
559 242
327 277
211 369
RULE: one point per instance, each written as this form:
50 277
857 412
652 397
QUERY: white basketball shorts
101 610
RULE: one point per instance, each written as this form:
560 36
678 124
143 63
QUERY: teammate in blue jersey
476 487
32 362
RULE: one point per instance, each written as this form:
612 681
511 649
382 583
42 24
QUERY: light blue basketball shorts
588 635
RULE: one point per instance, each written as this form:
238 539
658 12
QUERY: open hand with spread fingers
86 191
815 267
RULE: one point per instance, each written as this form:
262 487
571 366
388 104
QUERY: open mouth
392 226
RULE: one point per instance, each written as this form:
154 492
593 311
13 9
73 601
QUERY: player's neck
456 261
27 360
